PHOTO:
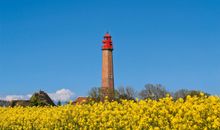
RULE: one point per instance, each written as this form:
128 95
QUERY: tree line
150 91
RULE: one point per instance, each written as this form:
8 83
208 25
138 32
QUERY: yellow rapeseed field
194 113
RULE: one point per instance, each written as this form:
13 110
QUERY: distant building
14 103
4 103
40 98
81 100
23 103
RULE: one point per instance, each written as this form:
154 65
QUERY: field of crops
194 113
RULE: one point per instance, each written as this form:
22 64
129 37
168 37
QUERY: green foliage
35 101
41 99
59 103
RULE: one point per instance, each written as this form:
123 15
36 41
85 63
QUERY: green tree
41 99
59 103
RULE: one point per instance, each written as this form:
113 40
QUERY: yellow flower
194 113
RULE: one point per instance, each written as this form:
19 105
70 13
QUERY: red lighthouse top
107 42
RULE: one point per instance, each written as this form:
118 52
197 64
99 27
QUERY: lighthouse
107 68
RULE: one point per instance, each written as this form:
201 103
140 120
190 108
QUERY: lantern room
107 42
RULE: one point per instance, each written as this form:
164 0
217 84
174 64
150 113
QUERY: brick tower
107 68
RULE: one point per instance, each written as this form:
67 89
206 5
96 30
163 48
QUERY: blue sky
53 45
